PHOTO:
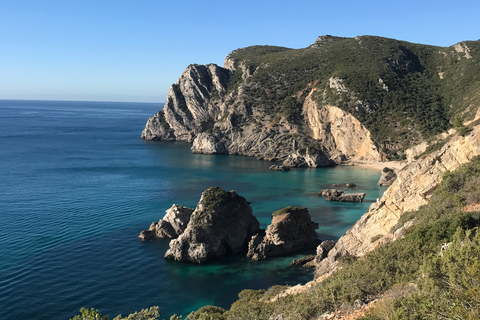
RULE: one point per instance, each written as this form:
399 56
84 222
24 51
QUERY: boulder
221 223
170 226
348 197
387 178
279 168
339 195
330 193
303 261
291 230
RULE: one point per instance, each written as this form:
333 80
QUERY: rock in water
291 230
171 226
279 168
221 223
338 195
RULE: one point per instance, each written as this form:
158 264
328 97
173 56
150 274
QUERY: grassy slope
417 105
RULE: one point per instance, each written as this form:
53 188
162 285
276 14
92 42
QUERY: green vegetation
93 314
290 209
402 92
423 281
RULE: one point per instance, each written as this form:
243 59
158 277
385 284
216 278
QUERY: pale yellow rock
339 131
413 188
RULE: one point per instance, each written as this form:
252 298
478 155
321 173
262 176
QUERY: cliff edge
413 188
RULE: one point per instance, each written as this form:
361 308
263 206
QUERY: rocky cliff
412 188
336 100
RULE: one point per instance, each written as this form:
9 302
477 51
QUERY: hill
365 98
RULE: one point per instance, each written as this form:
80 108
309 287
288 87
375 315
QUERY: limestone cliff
338 99
339 131
413 187
195 112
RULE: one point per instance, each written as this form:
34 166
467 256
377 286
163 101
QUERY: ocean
77 185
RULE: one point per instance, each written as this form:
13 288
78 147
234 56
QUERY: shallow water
77 186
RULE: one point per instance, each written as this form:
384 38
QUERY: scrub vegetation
402 92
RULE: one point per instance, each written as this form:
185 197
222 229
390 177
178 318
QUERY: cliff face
413 188
338 99
195 113
339 131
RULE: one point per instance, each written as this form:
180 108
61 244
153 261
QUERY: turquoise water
77 185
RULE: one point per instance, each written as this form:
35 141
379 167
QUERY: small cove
78 185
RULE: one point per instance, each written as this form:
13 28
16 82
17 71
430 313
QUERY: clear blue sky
117 50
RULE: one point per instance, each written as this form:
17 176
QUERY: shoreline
376 165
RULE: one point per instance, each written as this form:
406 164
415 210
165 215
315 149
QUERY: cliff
339 99
412 189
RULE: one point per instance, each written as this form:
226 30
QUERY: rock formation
291 231
170 226
413 188
387 178
339 195
279 168
221 223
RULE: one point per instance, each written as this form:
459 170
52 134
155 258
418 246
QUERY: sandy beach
377 165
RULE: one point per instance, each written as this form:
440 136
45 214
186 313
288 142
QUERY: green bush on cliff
93 314
290 209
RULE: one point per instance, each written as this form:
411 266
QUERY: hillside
362 98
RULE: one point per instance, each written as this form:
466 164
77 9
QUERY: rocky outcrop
221 223
171 225
208 144
279 168
413 188
291 231
308 159
188 110
387 178
303 261
200 109
339 195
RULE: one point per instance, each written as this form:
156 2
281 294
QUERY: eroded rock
170 226
339 195
221 223
291 230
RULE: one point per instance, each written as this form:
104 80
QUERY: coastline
376 165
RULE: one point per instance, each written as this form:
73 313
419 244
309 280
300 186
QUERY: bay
77 185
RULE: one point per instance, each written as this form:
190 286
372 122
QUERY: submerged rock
279 168
291 230
221 223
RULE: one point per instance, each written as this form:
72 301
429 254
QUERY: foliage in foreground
93 314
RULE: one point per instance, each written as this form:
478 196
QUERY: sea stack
221 223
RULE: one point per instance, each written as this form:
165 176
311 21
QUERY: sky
118 50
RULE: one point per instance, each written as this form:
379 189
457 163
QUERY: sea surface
77 185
